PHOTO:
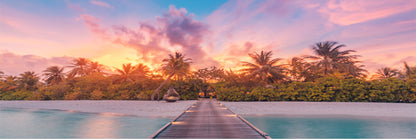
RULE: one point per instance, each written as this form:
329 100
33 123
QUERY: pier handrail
170 123
262 133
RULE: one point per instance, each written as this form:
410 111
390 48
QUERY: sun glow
116 59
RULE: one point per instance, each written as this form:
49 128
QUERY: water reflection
394 129
99 127
300 127
24 123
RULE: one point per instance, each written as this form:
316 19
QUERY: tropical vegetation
331 74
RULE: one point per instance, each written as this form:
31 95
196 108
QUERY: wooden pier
207 118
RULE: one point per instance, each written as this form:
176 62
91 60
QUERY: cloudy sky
42 33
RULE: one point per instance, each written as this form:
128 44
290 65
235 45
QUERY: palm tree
129 73
202 74
126 73
95 67
141 70
212 74
10 83
330 56
1 75
79 67
231 77
28 80
54 74
354 70
264 67
174 65
299 69
410 72
386 72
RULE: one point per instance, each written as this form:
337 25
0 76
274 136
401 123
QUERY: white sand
170 110
137 108
351 109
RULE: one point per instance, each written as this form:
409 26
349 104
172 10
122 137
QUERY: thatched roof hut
171 95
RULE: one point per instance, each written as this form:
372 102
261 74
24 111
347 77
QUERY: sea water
27 123
334 127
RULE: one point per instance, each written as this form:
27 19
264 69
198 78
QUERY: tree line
331 74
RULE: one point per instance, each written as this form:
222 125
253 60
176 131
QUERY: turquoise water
301 127
24 123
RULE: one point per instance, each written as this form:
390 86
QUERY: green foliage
328 88
144 95
341 82
97 95
17 95
188 90
232 93
54 92
392 90
261 94
354 90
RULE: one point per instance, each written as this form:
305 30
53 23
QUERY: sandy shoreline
136 108
170 110
351 109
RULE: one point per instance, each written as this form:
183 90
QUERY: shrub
261 94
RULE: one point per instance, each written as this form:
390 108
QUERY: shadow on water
24 123
301 127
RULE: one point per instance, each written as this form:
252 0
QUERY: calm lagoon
335 127
24 123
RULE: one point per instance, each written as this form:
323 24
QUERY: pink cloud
14 64
176 30
347 12
101 3
289 28
30 33
93 25
75 7
269 29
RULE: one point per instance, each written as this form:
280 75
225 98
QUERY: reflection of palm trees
54 75
79 67
28 80
330 56
174 65
386 72
264 67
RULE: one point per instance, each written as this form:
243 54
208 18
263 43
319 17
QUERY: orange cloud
176 30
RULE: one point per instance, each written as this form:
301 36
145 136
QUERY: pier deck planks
208 119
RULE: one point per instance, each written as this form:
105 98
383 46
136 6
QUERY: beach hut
171 95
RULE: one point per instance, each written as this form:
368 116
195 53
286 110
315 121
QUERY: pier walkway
207 118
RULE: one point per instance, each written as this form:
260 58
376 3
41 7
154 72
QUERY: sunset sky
35 34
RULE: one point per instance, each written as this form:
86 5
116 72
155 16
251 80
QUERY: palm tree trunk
161 85
326 66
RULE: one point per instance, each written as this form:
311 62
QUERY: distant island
331 74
